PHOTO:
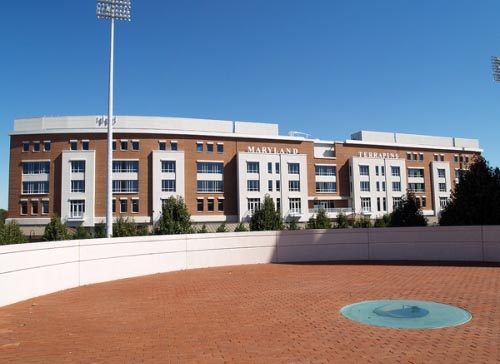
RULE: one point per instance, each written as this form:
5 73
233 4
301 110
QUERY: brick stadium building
222 169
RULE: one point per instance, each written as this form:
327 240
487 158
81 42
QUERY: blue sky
325 67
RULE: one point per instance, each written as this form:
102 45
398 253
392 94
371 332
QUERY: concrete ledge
30 270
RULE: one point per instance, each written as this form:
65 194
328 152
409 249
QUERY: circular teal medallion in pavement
406 314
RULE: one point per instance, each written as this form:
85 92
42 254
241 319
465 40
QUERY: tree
124 227
408 213
3 215
202 230
240 228
383 221
475 200
81 233
266 217
362 222
292 225
100 231
11 234
342 221
222 228
321 221
175 218
55 230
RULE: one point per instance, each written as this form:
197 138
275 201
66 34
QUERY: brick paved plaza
254 314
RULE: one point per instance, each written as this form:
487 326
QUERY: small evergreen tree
383 221
241 227
322 220
142 230
124 227
203 229
292 225
222 228
81 233
99 231
362 222
175 218
408 213
55 230
11 234
266 217
342 221
475 200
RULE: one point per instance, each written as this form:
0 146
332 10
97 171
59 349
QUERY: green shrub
266 217
11 234
55 230
222 228
81 233
292 225
175 218
241 227
342 221
124 227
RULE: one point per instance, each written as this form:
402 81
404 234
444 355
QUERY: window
125 186
210 205
253 204
45 207
270 186
135 206
162 145
85 145
424 202
24 207
113 205
325 170
383 186
382 171
124 145
408 156
220 148
209 167
293 168
364 186
26 146
173 145
278 204
253 185
396 202
168 166
278 186
277 167
443 202
135 147
436 157
364 170
415 172
34 207
36 146
295 205
125 166
220 204
73 145
114 144
376 170
377 184
210 186
270 168
442 187
366 204
123 206
395 171
326 187
421 156
415 156
199 205
210 149
46 146
378 203
168 185
78 186
396 186
199 147
77 166
35 187
36 167
455 158
76 209
294 186
252 167
417 187
441 173
384 204
441 157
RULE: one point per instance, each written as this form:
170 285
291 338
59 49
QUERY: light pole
119 10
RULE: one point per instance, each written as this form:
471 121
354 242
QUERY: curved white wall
30 270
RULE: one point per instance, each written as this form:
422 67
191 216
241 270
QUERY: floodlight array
113 9
495 67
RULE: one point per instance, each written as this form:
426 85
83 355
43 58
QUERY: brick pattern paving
254 314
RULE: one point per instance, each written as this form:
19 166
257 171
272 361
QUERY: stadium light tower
119 10
495 67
